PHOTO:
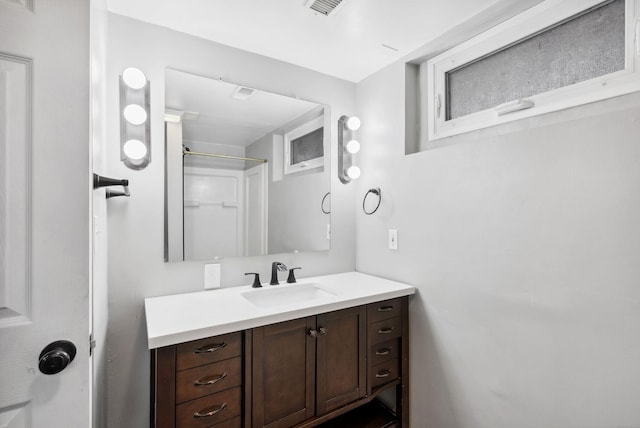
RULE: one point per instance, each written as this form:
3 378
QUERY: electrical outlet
212 276
393 239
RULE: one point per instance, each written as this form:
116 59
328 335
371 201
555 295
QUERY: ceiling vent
243 93
324 7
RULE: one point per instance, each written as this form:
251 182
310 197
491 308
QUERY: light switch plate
393 239
211 276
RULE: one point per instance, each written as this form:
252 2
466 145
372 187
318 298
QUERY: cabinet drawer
384 310
384 373
384 330
210 410
385 351
207 379
210 350
229 423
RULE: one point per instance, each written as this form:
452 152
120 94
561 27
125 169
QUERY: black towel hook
100 181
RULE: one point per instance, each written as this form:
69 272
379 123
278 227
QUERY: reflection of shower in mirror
231 189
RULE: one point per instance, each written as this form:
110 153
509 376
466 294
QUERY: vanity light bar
348 146
135 145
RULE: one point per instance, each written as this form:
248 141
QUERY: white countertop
190 316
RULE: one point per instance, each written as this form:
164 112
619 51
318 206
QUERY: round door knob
56 356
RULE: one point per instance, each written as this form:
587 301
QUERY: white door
212 213
255 190
44 210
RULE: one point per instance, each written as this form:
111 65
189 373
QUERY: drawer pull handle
383 351
388 308
207 349
210 412
385 330
383 373
210 380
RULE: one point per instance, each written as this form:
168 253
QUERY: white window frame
298 132
522 26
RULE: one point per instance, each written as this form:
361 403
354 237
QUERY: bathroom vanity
315 353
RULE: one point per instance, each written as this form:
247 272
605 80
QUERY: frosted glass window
307 147
583 47
304 146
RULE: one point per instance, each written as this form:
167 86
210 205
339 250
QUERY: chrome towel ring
374 191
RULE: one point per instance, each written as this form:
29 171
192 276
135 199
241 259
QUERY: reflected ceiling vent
243 93
324 7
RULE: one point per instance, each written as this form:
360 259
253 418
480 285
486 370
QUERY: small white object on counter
190 316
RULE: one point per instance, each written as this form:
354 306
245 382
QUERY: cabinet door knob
313 333
323 330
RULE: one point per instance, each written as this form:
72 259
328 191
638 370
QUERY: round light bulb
353 146
353 172
135 114
134 78
353 123
134 149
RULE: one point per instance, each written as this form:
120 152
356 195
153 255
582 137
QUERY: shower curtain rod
213 155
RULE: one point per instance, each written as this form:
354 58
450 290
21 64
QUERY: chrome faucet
275 268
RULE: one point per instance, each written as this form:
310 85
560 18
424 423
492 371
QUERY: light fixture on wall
347 126
135 147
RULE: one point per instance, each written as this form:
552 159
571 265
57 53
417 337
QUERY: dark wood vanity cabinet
341 373
384 329
283 373
198 383
305 368
313 371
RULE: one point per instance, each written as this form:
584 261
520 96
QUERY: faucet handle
292 277
256 279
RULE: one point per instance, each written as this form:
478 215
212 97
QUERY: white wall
136 267
524 243
295 223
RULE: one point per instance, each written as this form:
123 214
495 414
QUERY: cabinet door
283 373
341 358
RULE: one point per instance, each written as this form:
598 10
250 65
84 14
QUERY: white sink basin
270 296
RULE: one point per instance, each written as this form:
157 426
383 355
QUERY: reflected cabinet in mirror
247 171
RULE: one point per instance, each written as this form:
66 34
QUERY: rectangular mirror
247 171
